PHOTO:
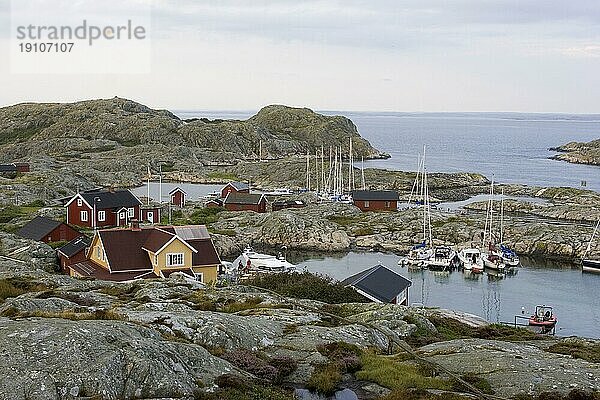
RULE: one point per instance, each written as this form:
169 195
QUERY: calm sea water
573 295
512 147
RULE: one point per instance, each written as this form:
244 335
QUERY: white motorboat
418 256
493 260
251 262
471 260
280 192
443 259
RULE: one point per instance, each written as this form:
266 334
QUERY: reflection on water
493 296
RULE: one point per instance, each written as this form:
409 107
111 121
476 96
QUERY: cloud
588 51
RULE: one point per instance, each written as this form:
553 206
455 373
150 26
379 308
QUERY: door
150 216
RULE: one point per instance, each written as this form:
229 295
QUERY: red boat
543 317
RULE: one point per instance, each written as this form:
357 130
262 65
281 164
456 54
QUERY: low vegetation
105 315
341 358
450 329
13 287
306 285
271 370
585 351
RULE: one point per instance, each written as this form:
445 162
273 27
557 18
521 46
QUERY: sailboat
424 255
591 264
492 259
509 257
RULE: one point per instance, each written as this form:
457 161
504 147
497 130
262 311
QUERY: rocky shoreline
579 153
166 339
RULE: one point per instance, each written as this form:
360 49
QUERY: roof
373 195
74 246
379 282
38 228
157 239
108 199
177 189
188 232
89 269
243 198
124 250
238 185
206 254
8 168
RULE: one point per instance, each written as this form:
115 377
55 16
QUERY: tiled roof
38 228
74 246
374 195
123 248
206 255
379 282
111 199
243 198
157 239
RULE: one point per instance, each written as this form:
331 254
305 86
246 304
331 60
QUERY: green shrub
13 287
585 351
306 285
325 379
237 306
205 216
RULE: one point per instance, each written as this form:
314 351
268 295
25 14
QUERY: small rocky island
579 153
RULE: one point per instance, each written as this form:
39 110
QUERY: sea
509 147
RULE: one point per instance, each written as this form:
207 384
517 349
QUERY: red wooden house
177 197
47 230
245 202
375 200
73 252
234 187
103 208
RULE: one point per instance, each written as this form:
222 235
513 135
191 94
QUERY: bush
205 216
325 379
252 362
345 355
13 287
247 304
306 285
231 381
585 351
285 366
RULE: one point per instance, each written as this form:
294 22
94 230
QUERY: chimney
135 225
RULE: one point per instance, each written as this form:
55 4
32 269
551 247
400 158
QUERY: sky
372 55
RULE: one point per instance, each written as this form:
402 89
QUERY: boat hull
592 266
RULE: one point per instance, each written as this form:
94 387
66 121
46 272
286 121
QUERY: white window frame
199 276
101 216
98 253
83 215
79 202
171 256
150 216
122 215
388 204
131 212
366 203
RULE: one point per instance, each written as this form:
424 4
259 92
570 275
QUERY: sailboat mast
362 173
148 185
322 169
307 170
428 209
502 218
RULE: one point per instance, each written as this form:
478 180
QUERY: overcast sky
416 55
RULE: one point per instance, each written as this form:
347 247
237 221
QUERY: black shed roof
243 198
111 199
379 282
38 228
74 246
373 195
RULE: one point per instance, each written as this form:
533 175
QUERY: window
366 204
84 216
131 212
79 202
155 260
122 215
387 204
102 216
199 276
174 259
98 253
150 216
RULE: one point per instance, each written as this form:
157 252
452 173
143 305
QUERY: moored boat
471 260
443 259
543 317
250 262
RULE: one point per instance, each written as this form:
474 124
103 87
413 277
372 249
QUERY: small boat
251 262
544 318
493 260
509 257
418 256
471 260
280 192
591 264
443 259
